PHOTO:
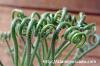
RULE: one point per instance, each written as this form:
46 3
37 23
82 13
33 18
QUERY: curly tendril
60 15
35 14
23 26
75 36
46 28
16 13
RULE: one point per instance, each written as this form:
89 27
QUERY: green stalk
43 33
55 35
44 48
35 49
23 56
43 51
61 49
10 50
13 34
61 45
28 41
38 56
68 54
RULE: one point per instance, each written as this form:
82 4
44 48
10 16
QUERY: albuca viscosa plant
53 33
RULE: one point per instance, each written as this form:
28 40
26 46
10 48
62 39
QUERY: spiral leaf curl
75 36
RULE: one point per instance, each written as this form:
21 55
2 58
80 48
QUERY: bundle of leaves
46 30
